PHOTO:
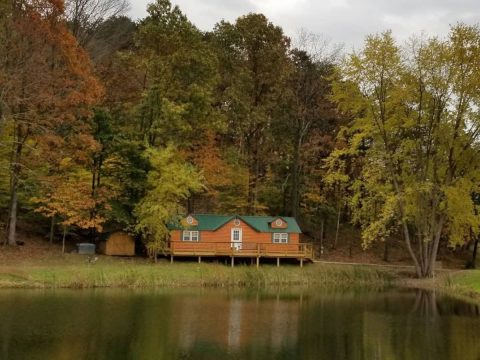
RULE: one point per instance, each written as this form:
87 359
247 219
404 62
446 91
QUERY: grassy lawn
73 271
466 281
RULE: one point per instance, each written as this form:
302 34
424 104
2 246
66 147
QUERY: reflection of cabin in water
118 243
238 237
236 323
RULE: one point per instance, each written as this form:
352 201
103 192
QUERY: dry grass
41 265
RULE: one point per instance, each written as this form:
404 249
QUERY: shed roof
210 222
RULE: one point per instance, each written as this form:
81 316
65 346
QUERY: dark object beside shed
86 248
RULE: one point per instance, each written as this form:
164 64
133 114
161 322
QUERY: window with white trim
236 234
189 235
280 238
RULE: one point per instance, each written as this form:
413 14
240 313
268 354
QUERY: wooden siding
118 244
219 242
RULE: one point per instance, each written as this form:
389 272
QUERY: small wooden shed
118 243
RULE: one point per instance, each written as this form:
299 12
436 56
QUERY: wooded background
107 124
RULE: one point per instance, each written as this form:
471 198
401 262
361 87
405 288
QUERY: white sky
342 21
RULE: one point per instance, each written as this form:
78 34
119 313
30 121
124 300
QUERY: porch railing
228 248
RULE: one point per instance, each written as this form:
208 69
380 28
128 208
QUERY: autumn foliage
156 118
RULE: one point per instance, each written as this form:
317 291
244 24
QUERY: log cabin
235 236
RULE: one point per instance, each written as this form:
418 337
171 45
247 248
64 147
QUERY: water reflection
302 324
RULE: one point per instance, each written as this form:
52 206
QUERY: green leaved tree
170 182
254 65
417 125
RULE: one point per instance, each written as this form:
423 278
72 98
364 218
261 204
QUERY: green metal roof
262 223
208 222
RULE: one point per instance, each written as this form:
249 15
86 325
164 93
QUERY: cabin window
190 235
236 234
280 238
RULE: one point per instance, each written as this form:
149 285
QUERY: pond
221 324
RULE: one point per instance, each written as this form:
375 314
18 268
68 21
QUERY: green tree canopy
416 126
170 181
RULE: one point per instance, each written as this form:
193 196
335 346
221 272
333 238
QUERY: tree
254 62
417 116
111 36
180 73
85 17
169 181
308 109
69 198
46 81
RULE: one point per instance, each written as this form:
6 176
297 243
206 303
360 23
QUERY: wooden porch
255 251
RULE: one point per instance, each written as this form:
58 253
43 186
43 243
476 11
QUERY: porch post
301 262
199 259
278 261
171 259
233 261
258 261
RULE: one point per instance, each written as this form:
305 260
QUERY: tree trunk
473 262
191 205
322 229
294 200
338 225
432 254
63 239
385 250
253 186
408 242
14 178
12 224
52 228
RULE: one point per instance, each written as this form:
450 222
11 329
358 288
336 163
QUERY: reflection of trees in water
395 325
430 305
425 304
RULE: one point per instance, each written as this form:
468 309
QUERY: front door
236 238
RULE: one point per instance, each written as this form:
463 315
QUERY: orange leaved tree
69 198
46 82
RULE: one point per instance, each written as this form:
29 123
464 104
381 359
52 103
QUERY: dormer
189 221
278 223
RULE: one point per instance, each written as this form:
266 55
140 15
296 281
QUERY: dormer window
278 223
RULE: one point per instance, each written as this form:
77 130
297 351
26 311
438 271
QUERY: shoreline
186 274
133 274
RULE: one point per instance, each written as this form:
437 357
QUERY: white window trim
188 235
280 238
236 244
234 230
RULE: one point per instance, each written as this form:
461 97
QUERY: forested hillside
108 123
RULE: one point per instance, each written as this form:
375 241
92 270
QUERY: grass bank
74 273
464 283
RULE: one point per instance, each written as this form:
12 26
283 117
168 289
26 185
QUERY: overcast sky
343 21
